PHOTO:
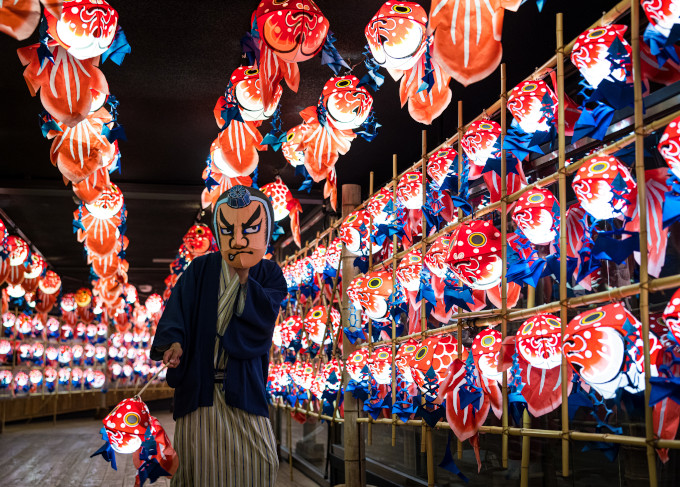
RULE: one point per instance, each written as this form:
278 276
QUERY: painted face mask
605 188
371 293
603 345
243 219
538 341
534 105
536 214
475 254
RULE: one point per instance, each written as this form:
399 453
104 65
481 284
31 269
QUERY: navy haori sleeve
250 334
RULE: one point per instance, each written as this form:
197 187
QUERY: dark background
182 55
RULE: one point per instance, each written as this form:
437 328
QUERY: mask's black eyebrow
225 222
253 217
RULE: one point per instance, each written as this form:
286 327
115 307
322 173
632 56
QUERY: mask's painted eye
226 231
252 229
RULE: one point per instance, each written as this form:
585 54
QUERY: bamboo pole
504 259
526 420
370 269
290 441
394 322
642 212
562 197
459 327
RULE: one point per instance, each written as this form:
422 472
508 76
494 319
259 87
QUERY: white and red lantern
592 57
536 214
371 293
605 188
126 424
354 232
315 324
538 341
669 146
534 105
410 190
481 141
475 256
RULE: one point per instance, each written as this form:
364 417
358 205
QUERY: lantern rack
642 126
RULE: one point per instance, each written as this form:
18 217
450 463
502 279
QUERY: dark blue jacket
190 318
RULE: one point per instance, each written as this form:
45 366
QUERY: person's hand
172 355
242 275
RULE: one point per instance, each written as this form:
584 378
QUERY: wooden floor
43 454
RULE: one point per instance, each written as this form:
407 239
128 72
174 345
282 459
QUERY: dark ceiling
182 55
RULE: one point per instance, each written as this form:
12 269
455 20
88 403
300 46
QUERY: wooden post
394 286
290 442
370 321
504 259
562 196
642 204
355 472
461 130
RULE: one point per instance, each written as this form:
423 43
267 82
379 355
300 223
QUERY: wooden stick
526 420
394 287
642 212
504 259
370 321
459 327
562 197
423 250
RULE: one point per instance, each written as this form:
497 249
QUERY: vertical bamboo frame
562 197
642 204
504 259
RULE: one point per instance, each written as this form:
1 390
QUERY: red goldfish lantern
315 324
380 364
290 32
592 57
85 29
409 269
69 88
468 50
218 170
403 358
377 207
83 297
101 220
289 329
154 303
284 205
199 240
534 105
430 362
410 190
292 148
481 142
126 424
672 315
538 341
239 141
669 146
601 346
486 348
318 259
33 273
397 38
475 254
443 166
354 232
20 18
333 254
356 361
371 293
536 214
605 188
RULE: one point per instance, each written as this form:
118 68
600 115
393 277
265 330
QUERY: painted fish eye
529 87
250 72
401 9
290 136
488 341
553 322
536 198
358 358
486 126
526 329
420 354
352 218
414 258
441 154
383 355
375 283
308 370
597 33
412 177
599 167
131 419
410 348
343 83
592 317
317 314
477 239
199 231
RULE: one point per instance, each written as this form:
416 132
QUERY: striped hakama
222 445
